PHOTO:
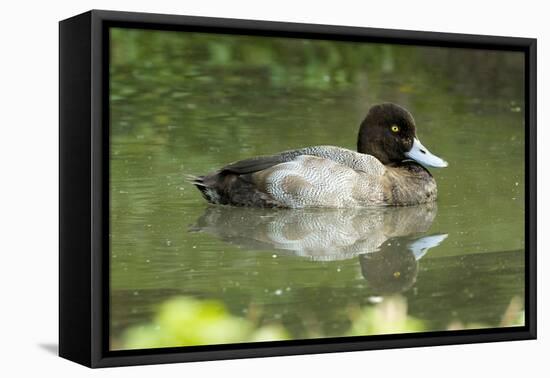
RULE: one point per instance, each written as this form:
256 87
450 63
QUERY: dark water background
188 103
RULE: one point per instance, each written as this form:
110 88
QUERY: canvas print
267 189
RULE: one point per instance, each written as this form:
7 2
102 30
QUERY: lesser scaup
387 169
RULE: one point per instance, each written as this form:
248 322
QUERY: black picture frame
84 172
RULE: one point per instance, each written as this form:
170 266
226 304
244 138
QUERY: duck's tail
195 180
207 191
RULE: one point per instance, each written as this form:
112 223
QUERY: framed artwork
234 188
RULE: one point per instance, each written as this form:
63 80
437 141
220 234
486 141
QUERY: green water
184 103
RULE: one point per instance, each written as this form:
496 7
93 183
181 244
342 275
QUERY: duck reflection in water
388 241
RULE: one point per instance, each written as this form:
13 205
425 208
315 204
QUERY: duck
389 168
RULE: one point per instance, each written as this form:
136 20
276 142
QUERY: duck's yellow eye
395 128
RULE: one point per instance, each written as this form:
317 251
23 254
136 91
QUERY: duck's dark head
389 134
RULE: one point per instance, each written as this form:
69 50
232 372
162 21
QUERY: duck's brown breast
408 184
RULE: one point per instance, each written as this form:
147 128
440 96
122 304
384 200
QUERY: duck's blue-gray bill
421 154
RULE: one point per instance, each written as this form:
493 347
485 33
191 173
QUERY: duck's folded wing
351 159
255 164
